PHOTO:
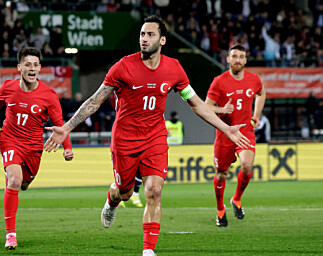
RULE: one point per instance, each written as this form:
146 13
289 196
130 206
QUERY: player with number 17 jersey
25 114
141 95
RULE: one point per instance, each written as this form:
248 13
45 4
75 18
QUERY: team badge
165 87
250 93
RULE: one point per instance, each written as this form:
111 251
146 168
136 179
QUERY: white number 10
150 102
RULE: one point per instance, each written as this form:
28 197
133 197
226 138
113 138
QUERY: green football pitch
282 218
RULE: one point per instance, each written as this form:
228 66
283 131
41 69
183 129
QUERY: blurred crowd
276 33
101 120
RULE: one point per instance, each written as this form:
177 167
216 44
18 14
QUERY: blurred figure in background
175 130
263 131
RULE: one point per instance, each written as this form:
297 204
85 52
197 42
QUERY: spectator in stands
6 51
47 52
4 40
272 48
102 6
22 6
11 14
36 6
66 105
318 13
205 39
112 6
38 39
76 103
20 41
56 40
289 52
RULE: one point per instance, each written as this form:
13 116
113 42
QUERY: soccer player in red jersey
29 104
141 83
231 95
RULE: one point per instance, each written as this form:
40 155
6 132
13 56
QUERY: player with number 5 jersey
141 83
29 104
231 95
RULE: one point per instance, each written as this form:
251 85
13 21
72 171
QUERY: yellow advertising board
187 163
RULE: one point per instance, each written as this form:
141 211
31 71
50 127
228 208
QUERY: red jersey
25 114
141 95
242 92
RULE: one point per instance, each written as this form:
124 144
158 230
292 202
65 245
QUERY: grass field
282 218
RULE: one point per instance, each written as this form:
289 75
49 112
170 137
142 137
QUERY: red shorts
152 161
13 155
225 156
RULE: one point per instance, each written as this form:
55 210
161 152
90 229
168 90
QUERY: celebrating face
29 68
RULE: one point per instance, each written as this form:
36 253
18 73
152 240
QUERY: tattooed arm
88 108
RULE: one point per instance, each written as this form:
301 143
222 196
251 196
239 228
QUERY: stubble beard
237 69
150 50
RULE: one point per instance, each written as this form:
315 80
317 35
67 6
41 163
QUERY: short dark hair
161 25
173 114
24 52
237 47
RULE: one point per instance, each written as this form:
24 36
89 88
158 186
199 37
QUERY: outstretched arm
89 107
206 113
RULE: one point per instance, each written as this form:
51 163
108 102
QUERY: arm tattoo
90 106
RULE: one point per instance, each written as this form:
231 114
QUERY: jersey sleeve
55 114
214 92
2 95
183 80
114 76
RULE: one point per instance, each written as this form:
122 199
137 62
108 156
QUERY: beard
151 50
237 68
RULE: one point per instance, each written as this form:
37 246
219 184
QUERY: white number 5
239 104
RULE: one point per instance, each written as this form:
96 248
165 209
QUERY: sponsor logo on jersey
229 94
11 104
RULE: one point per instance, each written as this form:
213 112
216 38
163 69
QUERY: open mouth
32 76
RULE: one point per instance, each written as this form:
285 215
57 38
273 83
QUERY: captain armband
187 92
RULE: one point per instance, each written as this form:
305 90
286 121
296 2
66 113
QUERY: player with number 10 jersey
141 95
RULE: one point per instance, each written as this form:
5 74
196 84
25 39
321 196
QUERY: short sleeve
183 80
214 90
113 77
2 94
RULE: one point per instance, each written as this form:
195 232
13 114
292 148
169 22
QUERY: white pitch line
182 208
181 232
